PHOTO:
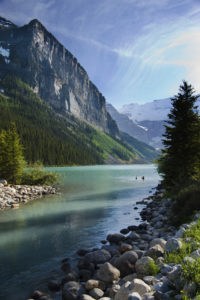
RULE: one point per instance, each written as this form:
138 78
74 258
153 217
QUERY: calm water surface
95 201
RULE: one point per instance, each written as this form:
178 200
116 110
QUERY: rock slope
35 56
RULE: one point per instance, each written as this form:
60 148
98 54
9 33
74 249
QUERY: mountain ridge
40 60
31 66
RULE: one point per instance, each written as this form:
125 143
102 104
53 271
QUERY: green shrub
178 255
191 272
153 268
194 232
187 202
37 175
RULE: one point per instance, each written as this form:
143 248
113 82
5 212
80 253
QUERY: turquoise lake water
94 201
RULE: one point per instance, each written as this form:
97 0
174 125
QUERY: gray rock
98 256
112 291
71 290
86 297
196 254
162 287
37 294
125 247
115 238
138 286
150 280
134 296
54 285
166 269
126 263
173 244
159 225
148 296
133 236
180 232
188 260
108 273
140 253
142 265
91 284
158 241
175 273
96 293
155 251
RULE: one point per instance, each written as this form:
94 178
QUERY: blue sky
133 50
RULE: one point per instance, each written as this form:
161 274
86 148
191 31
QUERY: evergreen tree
180 163
11 155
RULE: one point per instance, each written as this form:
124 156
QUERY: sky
132 50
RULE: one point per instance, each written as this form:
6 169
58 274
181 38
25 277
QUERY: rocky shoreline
12 196
130 265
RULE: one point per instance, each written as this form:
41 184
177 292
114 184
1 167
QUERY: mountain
125 124
60 115
150 116
156 110
35 56
149 132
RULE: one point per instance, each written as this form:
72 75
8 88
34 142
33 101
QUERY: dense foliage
11 155
180 164
190 270
50 137
37 175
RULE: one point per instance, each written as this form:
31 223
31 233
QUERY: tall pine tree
11 155
180 163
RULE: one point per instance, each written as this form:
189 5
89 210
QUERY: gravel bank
12 196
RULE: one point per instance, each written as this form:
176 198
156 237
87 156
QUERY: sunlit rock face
53 72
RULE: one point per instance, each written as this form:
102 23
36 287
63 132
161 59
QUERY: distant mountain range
143 121
60 114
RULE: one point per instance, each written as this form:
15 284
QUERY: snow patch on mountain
156 110
152 111
4 51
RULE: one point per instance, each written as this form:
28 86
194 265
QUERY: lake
94 201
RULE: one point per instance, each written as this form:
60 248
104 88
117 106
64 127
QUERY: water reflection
95 201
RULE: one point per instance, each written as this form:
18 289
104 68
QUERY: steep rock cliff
34 55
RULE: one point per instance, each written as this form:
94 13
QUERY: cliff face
34 55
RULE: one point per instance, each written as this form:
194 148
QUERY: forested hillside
53 138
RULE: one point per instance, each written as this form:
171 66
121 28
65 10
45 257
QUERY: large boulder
91 284
133 236
72 290
115 238
137 285
158 241
155 251
173 244
196 254
98 256
142 265
108 273
96 293
126 263
86 297
134 296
